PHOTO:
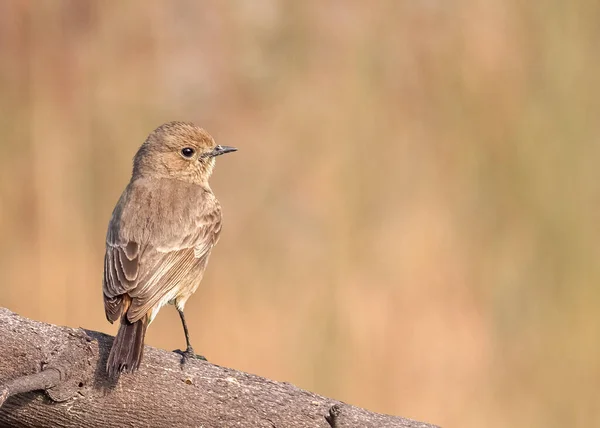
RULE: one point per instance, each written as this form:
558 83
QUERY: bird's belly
178 296
184 293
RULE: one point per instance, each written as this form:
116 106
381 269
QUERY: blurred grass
411 223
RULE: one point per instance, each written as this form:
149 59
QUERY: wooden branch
54 376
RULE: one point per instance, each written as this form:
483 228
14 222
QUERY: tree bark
55 376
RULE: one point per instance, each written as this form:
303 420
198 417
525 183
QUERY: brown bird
160 236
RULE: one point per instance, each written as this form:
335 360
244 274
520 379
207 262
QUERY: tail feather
128 347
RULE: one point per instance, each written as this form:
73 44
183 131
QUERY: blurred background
411 223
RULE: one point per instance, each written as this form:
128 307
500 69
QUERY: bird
160 236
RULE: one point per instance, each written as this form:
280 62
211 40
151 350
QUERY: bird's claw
189 354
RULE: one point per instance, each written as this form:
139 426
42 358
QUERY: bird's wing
121 271
150 271
169 271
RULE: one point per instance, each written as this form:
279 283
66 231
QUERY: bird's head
178 150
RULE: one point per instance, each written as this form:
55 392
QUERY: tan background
412 219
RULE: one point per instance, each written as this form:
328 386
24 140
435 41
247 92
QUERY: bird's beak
221 150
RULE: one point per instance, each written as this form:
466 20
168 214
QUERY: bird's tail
128 347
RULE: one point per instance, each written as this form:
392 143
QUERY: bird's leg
189 351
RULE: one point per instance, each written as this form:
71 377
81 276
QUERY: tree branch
65 368
38 381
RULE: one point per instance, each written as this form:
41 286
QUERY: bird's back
173 225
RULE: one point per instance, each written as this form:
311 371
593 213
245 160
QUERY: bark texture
54 376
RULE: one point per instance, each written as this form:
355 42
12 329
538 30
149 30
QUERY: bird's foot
189 354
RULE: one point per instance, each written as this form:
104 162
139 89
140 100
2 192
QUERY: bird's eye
187 152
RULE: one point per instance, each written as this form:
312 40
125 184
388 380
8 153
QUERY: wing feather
129 267
162 285
112 307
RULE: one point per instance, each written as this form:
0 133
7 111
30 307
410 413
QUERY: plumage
160 235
